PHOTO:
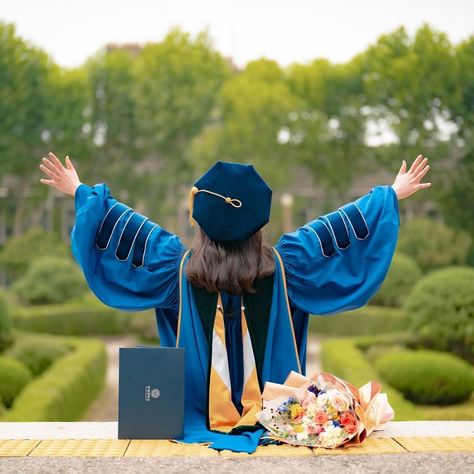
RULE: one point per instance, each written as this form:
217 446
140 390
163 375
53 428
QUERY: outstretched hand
63 178
408 182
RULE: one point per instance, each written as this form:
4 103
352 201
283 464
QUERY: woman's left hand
408 182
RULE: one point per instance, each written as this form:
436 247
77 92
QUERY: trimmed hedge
365 343
378 350
14 376
65 391
365 320
5 321
76 318
38 353
401 277
428 377
343 358
441 307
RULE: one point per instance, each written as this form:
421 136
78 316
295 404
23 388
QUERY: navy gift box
151 392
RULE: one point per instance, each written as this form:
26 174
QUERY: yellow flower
333 413
298 428
296 411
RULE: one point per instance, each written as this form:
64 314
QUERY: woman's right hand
63 178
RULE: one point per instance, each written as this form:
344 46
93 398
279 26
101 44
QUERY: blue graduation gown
331 264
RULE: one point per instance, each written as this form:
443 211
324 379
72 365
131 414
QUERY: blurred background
324 99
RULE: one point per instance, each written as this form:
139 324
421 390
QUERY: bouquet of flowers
323 410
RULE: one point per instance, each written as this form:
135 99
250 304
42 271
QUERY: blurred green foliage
81 318
427 377
14 375
38 352
149 121
50 279
369 319
441 310
5 321
67 388
20 251
433 244
401 277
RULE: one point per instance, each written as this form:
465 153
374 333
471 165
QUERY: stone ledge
109 429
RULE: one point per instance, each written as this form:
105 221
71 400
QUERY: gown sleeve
129 262
338 261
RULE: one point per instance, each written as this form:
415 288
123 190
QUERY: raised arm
338 261
129 261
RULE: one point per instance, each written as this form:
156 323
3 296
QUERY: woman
238 306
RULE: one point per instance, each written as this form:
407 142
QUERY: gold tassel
194 190
192 193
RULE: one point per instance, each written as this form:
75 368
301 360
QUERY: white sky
284 30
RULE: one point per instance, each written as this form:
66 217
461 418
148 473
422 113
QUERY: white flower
322 400
302 436
340 401
332 435
306 420
312 409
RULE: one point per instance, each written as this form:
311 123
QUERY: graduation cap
230 202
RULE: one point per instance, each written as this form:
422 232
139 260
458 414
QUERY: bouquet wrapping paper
323 410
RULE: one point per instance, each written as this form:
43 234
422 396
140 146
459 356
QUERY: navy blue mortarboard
230 202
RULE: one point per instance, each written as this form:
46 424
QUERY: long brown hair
230 267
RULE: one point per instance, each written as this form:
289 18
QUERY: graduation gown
332 264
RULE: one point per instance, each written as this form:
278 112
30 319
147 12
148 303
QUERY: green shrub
427 377
38 353
5 321
404 338
366 320
13 377
377 350
401 277
65 391
79 318
50 280
441 310
20 251
433 244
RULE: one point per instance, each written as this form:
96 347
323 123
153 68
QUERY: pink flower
347 418
313 428
320 417
350 429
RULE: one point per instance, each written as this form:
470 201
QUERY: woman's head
232 267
